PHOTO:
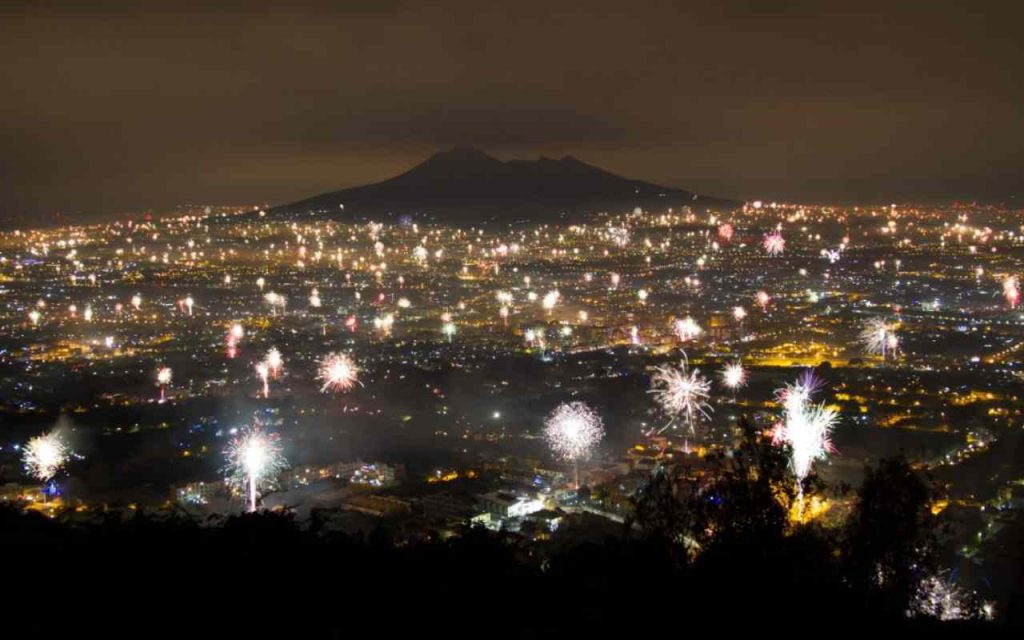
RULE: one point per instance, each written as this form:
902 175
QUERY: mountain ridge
465 184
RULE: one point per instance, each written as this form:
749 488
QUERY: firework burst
774 243
163 378
254 459
338 372
619 236
938 596
806 427
275 362
1011 291
573 430
879 338
275 301
733 376
263 372
687 329
682 393
44 456
550 300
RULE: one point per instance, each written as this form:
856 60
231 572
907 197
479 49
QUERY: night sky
118 107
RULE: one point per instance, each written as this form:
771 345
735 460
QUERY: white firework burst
550 300
44 456
164 375
806 427
275 362
879 337
573 430
338 372
733 376
275 301
163 378
682 393
687 329
254 459
619 236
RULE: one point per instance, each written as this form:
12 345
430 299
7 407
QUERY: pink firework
1011 291
763 300
274 362
774 243
725 232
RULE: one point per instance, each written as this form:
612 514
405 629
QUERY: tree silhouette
890 537
747 493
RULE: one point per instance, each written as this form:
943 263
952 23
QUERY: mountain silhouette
467 185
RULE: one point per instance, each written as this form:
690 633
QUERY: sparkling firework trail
263 371
44 456
338 372
254 460
682 393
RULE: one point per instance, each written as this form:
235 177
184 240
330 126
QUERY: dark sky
110 106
